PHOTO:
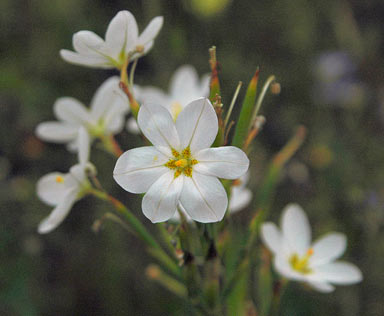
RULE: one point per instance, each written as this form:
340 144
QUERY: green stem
132 73
232 104
260 99
136 225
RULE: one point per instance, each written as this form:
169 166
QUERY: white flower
122 41
105 117
296 259
184 88
180 167
62 190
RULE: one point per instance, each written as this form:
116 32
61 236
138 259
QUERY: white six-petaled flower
296 259
62 190
105 116
184 88
180 167
122 41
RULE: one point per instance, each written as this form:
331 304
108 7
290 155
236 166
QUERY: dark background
328 57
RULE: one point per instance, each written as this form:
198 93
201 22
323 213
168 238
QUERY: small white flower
122 40
62 190
295 258
180 167
105 117
184 88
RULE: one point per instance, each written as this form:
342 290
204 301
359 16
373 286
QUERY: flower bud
275 88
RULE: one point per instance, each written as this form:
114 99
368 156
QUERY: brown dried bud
275 88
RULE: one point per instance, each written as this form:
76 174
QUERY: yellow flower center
182 162
59 179
301 264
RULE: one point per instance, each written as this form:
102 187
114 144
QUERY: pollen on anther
310 252
175 153
59 179
186 152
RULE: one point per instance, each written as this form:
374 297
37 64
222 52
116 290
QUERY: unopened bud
275 88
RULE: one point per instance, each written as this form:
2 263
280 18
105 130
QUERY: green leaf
245 116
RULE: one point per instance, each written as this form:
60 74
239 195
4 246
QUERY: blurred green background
328 57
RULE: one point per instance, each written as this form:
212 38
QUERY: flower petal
71 111
323 287
132 126
157 125
204 198
197 125
88 44
56 132
328 248
107 98
184 78
227 162
160 202
52 187
272 238
151 30
83 146
137 169
339 273
296 228
59 213
122 33
151 95
83 60
240 198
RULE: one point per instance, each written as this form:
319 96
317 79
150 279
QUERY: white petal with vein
227 162
204 198
197 125
157 125
160 202
137 169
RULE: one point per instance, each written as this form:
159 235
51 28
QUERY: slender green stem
132 73
260 99
135 224
232 104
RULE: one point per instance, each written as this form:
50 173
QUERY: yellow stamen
181 163
236 182
301 264
59 179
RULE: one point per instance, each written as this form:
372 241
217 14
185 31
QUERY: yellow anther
236 182
156 158
175 153
59 179
302 264
181 163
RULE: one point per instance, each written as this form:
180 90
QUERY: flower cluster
180 173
